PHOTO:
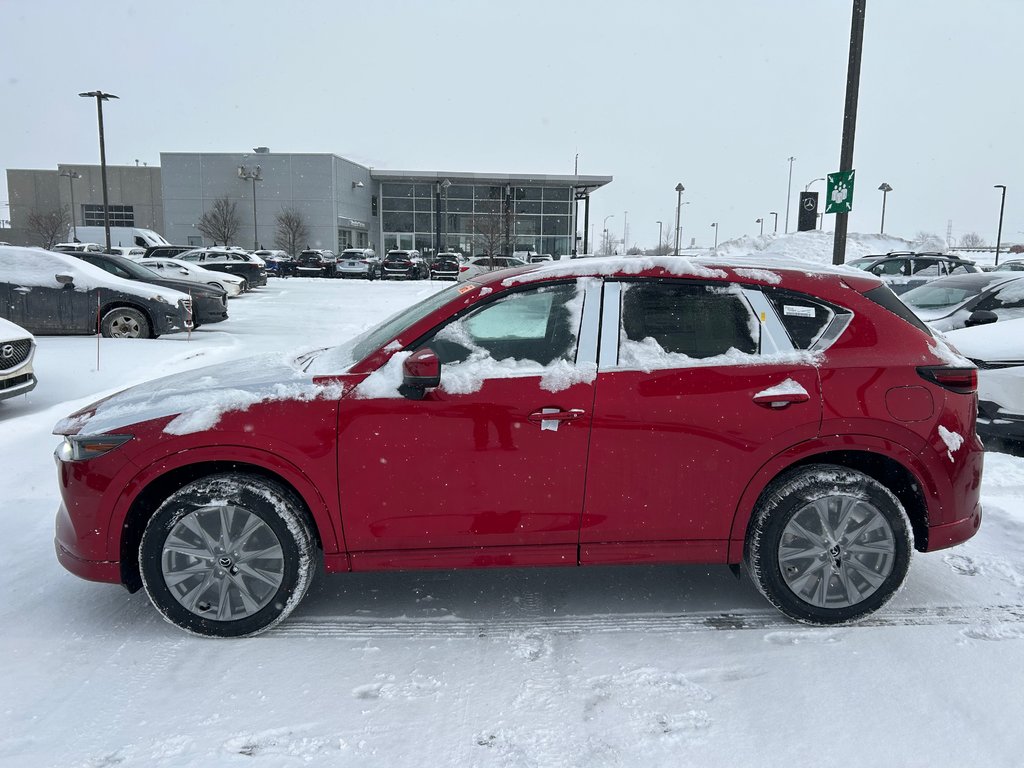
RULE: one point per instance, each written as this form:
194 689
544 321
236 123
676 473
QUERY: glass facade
476 218
120 215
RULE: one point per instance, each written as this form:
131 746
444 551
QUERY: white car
129 253
998 351
479 265
17 348
186 270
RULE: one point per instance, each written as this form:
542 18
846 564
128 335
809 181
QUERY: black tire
829 570
245 286
257 589
125 323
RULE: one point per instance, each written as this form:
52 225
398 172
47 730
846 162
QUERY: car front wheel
229 555
828 544
125 323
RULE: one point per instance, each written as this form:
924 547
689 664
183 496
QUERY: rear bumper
943 536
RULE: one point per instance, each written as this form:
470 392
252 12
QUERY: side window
926 267
1007 302
539 325
960 269
893 267
694 320
804 317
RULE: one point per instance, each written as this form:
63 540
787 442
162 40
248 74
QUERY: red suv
805 424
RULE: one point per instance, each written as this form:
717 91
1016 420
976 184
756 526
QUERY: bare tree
489 233
972 240
221 222
292 231
50 226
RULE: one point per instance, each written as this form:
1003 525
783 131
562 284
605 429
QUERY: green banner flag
839 193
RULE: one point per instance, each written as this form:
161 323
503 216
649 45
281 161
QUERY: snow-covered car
234 261
50 293
904 271
963 301
401 264
632 410
480 265
1014 265
359 262
278 263
998 351
178 269
445 265
17 348
77 248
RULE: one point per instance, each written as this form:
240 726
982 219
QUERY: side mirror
65 279
981 317
420 371
183 270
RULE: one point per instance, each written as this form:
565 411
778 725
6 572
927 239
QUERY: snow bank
816 246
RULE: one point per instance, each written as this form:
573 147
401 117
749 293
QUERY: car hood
1001 342
12 332
198 398
194 289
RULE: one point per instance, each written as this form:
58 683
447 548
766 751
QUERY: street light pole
714 224
807 186
71 176
100 97
606 244
625 231
886 189
444 232
254 175
659 236
999 234
776 215
789 192
679 205
761 222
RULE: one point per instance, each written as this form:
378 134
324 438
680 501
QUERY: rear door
698 386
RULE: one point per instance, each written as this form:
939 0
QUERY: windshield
134 269
933 296
861 263
342 357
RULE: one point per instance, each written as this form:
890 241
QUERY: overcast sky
716 94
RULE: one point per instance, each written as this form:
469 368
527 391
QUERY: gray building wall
319 186
31 190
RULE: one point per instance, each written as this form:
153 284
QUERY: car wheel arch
124 304
155 489
891 468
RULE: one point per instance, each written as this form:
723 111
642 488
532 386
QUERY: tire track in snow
362 628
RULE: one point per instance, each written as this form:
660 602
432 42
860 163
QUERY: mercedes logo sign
809 203
7 351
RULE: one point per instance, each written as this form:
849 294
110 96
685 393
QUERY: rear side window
884 297
695 320
805 318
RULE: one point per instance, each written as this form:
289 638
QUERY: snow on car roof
34 266
996 342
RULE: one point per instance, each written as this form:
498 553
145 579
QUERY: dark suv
50 293
903 270
406 265
234 262
316 262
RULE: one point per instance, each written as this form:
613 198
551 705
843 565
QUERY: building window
120 215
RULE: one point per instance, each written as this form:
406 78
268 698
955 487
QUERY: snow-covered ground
636 666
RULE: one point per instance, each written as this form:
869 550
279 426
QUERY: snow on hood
198 398
36 267
12 331
995 342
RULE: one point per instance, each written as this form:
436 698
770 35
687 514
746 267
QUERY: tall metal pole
625 230
100 97
576 207
886 189
776 225
607 245
72 175
761 222
849 120
714 224
789 192
679 204
999 234
255 230
659 235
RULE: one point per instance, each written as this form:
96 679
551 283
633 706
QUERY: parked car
50 293
480 265
209 302
316 262
1014 265
613 411
359 262
167 251
78 248
176 269
17 348
405 265
903 270
961 301
998 351
134 252
537 258
278 263
234 262
445 266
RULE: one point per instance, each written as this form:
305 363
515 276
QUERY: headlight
81 448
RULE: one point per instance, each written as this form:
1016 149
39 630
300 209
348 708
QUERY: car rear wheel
828 545
228 555
125 323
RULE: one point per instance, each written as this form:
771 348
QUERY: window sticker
789 309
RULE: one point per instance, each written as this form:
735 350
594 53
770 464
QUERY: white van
124 236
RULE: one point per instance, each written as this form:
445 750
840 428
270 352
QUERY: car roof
917 255
974 280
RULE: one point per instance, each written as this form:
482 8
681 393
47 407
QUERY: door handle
781 400
550 418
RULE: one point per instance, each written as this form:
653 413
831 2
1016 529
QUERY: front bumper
106 571
17 385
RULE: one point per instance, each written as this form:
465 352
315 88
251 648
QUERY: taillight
963 381
463 268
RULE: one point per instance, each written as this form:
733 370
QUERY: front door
489 468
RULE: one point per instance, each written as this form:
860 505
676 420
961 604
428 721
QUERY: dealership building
343 204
